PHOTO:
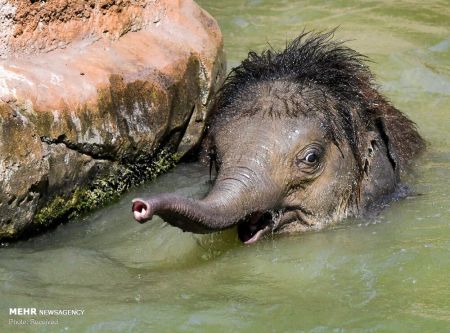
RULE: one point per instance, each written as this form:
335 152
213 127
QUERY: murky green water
387 275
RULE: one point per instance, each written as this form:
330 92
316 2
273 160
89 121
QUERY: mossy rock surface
104 189
98 102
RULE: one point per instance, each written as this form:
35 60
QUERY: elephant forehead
268 136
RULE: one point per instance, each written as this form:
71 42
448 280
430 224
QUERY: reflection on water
385 275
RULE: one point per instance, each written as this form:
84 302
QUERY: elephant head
301 138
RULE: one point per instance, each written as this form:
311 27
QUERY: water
390 274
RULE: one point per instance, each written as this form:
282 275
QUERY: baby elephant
300 138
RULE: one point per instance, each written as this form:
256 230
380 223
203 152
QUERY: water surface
390 274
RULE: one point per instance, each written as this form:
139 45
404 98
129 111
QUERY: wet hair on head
332 82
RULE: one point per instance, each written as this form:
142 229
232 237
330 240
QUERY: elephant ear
368 149
400 136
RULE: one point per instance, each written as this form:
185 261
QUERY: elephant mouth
255 226
258 224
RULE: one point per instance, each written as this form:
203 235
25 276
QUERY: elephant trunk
232 199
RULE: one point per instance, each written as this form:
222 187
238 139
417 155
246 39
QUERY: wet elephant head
300 138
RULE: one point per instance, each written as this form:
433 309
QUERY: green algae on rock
104 190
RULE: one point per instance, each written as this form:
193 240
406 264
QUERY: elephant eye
311 157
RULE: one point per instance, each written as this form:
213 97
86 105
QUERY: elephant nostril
139 207
141 211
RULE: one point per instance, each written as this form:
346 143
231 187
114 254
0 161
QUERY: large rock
96 96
